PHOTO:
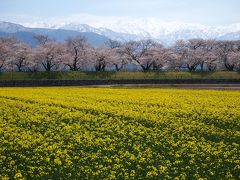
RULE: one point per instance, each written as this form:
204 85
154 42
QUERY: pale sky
206 12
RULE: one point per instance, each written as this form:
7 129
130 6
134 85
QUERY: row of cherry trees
76 54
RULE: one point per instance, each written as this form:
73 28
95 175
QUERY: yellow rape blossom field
104 133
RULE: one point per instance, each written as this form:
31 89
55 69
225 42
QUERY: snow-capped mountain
11 28
166 33
126 28
234 36
136 29
101 31
26 34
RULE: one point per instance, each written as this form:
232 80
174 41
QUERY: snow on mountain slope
102 31
10 27
230 36
128 28
25 34
167 33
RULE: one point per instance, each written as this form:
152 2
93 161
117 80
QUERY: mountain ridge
149 28
23 33
165 35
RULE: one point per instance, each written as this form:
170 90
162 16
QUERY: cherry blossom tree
100 58
21 56
76 53
234 56
165 58
180 49
211 61
207 54
50 55
42 39
6 51
116 54
224 49
137 50
192 54
113 44
118 58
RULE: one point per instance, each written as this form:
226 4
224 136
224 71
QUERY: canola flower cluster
103 133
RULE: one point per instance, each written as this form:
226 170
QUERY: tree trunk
48 66
1 66
191 68
146 67
202 66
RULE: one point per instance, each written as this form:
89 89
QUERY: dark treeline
75 54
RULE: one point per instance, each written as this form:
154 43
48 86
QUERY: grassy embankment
116 75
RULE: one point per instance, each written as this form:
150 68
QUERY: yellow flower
57 161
